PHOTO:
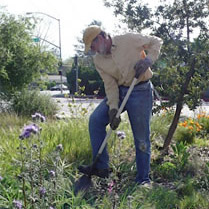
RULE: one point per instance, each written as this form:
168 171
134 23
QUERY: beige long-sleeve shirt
117 68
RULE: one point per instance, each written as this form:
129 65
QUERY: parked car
58 87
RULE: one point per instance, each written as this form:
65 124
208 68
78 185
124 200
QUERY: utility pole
59 47
76 69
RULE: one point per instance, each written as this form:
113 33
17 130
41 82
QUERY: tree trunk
179 107
173 126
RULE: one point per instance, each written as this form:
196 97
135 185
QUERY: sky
74 15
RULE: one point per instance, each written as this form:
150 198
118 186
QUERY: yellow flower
180 124
191 121
190 127
197 124
202 115
185 124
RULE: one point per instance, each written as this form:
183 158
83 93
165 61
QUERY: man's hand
141 66
114 122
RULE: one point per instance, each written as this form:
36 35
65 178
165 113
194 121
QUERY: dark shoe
87 170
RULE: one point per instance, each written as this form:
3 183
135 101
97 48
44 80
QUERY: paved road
79 106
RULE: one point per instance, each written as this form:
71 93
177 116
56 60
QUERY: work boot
102 173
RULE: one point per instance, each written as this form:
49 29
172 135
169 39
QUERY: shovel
85 182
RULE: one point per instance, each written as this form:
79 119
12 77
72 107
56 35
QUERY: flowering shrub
187 131
190 128
203 119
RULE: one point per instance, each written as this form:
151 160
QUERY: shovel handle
117 116
126 97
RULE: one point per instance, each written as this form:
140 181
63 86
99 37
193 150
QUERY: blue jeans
139 109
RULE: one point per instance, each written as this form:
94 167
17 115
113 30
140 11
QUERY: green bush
28 102
167 170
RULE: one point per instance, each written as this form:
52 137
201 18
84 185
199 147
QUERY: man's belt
142 82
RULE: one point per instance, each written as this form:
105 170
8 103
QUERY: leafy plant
203 119
21 59
185 133
190 128
28 102
167 170
180 156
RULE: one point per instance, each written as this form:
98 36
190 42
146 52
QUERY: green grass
73 135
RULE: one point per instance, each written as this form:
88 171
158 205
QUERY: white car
58 87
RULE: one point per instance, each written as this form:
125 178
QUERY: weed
180 156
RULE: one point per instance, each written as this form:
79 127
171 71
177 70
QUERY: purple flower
110 187
121 134
52 173
59 147
38 116
17 204
42 191
33 128
1 178
51 207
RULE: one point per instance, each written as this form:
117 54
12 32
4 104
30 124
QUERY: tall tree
183 68
21 60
